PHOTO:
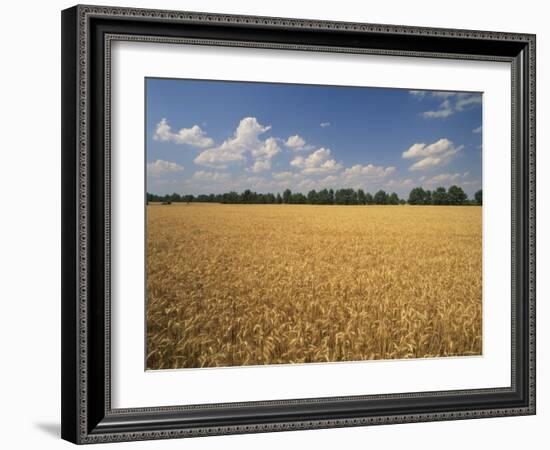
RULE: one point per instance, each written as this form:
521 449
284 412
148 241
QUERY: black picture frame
87 416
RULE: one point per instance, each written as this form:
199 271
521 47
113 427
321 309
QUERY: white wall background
30 223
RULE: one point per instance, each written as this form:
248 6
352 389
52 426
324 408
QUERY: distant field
231 285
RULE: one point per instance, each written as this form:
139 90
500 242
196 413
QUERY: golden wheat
231 285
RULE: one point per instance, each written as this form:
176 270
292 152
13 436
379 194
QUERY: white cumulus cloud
419 94
442 179
202 175
193 136
432 155
328 166
445 110
268 149
369 170
263 155
297 143
316 162
261 165
448 179
471 183
245 139
399 183
160 167
465 100
452 103
443 94
283 175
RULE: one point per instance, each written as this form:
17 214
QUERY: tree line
455 195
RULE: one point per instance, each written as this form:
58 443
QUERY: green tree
417 196
478 197
428 198
345 197
456 195
354 198
369 199
312 197
381 198
323 197
331 197
439 196
174 198
393 199
287 194
361 198
230 197
246 196
298 198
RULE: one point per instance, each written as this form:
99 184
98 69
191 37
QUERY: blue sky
212 136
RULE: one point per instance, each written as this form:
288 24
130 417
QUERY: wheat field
233 285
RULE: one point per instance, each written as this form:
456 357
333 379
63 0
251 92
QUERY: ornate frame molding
80 423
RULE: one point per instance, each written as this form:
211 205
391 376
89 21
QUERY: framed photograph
278 224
